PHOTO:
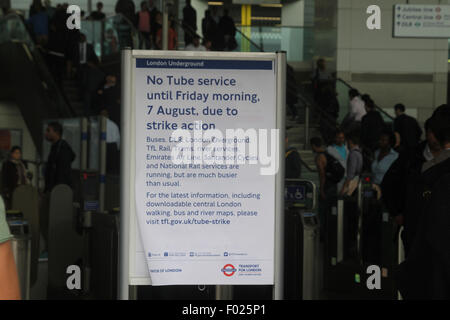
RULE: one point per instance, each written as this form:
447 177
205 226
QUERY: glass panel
298 42
117 31
13 29
93 32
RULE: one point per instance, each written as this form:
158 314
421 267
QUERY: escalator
26 79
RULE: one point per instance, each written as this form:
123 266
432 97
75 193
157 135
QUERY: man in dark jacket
401 188
407 129
59 163
127 9
372 125
293 166
189 23
425 274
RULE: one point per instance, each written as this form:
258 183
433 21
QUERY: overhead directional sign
422 21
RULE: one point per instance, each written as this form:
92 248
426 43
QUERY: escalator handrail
376 107
307 166
332 122
248 39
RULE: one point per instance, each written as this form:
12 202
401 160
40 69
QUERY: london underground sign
229 270
202 175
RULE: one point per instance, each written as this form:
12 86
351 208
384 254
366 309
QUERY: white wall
392 70
11 118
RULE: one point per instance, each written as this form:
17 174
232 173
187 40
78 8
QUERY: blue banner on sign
204 64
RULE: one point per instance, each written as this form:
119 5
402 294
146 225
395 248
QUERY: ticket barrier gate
301 241
361 234
21 247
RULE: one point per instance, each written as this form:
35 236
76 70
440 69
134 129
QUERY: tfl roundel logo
228 270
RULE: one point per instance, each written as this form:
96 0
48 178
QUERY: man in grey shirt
354 163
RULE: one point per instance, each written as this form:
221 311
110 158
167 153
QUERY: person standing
354 164
384 158
372 125
14 174
9 280
425 274
127 9
209 29
406 129
144 26
227 29
189 23
59 163
39 23
97 15
58 170
356 112
339 151
293 166
330 173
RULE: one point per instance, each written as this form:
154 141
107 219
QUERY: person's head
37 4
353 93
369 104
47 3
321 65
386 140
99 6
207 44
399 109
440 128
16 153
316 144
432 142
196 40
226 12
441 108
188 3
353 139
365 97
111 80
54 131
207 13
144 5
158 17
339 138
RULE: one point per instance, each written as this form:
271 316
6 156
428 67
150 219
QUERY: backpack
334 171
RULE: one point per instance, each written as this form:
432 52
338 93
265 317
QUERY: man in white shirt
356 110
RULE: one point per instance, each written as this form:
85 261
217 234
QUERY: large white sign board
422 21
200 223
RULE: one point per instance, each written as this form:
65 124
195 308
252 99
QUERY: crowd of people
411 178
